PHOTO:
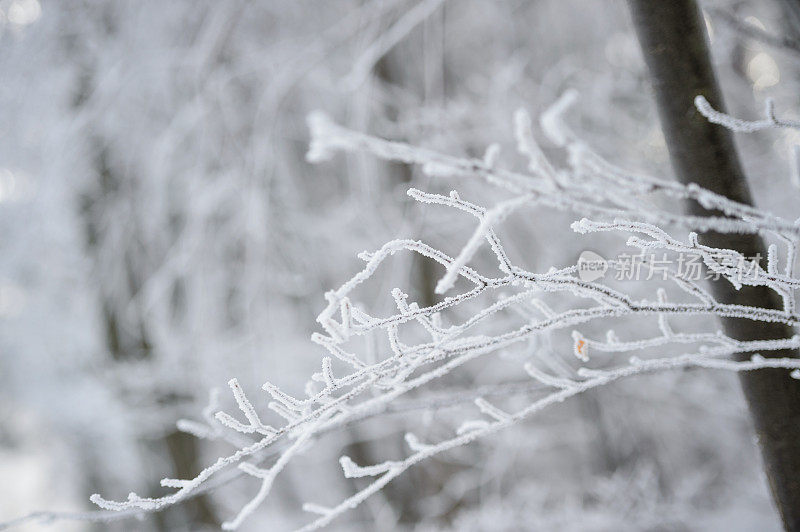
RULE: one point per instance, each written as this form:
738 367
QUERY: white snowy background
161 232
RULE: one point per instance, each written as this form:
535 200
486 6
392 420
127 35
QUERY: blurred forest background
161 232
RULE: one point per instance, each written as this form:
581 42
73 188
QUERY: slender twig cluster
350 386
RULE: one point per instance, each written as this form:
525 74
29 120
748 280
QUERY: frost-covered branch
351 385
744 126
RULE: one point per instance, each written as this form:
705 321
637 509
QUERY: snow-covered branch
350 386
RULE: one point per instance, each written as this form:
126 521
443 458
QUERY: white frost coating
319 150
198 430
367 385
744 126
491 155
527 146
414 444
247 408
351 470
547 379
268 477
552 123
490 410
490 219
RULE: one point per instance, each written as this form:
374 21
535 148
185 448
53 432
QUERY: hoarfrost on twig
590 186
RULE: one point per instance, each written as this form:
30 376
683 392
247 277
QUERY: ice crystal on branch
605 198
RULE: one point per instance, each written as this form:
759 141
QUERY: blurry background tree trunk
131 343
673 39
126 336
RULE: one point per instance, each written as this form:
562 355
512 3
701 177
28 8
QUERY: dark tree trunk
672 37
